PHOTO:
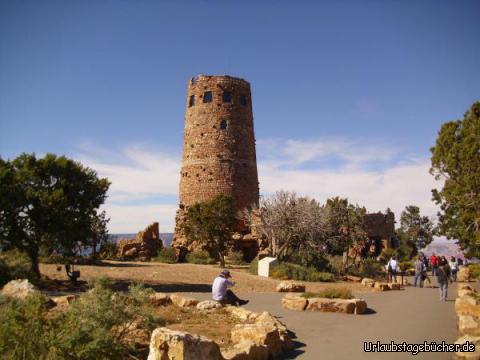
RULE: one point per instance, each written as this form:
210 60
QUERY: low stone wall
256 337
381 286
467 308
345 306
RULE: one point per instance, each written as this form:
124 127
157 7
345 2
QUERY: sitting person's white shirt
220 287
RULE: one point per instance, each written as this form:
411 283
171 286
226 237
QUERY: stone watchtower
219 145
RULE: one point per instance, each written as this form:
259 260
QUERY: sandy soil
180 277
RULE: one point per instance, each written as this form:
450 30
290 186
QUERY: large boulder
469 325
19 289
360 306
379 286
208 305
331 305
290 286
241 313
368 282
145 245
166 344
463 274
297 303
475 340
463 289
160 299
260 334
181 301
246 350
468 305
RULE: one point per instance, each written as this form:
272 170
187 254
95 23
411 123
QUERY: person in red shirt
434 264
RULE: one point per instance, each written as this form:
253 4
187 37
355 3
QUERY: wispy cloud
145 181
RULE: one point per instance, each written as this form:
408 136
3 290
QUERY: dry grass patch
330 293
215 325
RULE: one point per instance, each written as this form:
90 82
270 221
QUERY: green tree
345 226
416 231
456 161
50 202
211 223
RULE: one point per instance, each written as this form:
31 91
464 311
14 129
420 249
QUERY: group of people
444 270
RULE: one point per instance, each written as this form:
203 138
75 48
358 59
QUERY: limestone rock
469 325
19 289
297 303
381 286
160 299
331 305
468 305
475 340
352 278
368 282
241 313
290 286
181 301
145 245
463 289
260 334
463 274
360 306
394 286
246 350
166 344
209 305
63 300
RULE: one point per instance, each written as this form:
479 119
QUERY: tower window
207 97
243 100
223 124
227 96
191 102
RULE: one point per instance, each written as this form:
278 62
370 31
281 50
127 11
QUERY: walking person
434 264
443 276
392 268
419 272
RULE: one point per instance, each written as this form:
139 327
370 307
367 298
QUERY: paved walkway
412 315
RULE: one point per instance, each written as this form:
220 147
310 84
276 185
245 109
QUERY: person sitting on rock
221 291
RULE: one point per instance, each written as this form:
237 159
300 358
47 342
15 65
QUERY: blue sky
348 95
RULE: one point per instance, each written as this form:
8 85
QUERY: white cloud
145 181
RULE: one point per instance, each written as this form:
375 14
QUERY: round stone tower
219 143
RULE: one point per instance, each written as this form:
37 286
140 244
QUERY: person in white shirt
221 291
392 268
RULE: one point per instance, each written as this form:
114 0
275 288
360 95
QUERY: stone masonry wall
219 145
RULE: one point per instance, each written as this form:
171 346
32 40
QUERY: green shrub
330 293
387 254
369 268
405 265
95 326
199 257
336 264
287 271
14 265
310 259
474 270
108 251
236 257
166 255
253 267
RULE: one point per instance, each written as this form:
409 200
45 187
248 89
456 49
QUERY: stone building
218 148
381 230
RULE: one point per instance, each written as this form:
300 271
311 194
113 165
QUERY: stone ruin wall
145 245
219 146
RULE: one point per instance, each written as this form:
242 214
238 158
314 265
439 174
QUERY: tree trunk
221 257
33 255
345 261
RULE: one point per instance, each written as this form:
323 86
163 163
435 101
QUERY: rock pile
467 308
256 337
145 245
345 306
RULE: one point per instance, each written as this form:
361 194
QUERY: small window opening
207 97
243 100
223 124
191 101
227 96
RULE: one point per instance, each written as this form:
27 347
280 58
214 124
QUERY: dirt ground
180 277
